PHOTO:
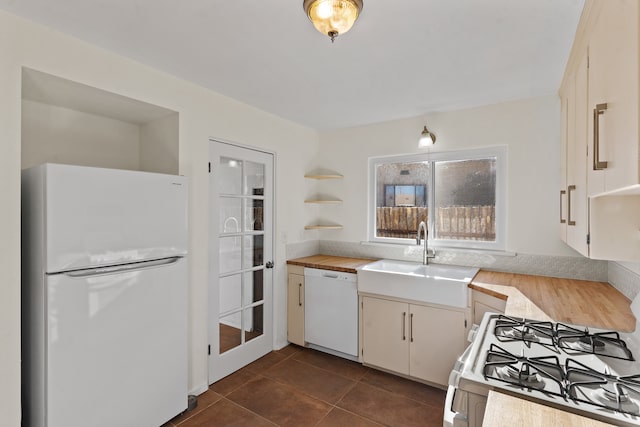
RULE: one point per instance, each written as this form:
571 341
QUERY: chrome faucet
425 254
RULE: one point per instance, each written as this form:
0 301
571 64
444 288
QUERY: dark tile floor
303 387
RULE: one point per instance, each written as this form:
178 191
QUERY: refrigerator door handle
122 268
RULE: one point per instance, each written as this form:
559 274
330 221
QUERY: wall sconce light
426 138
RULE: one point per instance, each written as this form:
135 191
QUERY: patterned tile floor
302 387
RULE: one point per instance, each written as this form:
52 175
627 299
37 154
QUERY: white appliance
331 305
104 297
590 372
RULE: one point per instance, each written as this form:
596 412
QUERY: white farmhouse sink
437 284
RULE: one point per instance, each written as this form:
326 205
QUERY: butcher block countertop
579 302
329 262
508 411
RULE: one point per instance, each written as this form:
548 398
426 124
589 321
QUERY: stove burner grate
575 341
618 393
534 373
557 336
529 331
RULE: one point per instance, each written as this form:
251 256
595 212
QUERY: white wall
60 135
529 128
203 114
158 148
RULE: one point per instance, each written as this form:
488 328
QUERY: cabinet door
437 338
483 303
577 210
613 79
385 334
295 309
564 111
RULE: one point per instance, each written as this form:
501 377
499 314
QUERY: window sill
444 248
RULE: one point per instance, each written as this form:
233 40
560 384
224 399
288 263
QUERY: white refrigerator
104 297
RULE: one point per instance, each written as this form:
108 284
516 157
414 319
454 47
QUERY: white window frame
499 152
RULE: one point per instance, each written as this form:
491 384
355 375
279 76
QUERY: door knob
269 264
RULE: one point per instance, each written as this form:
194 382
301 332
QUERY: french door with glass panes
241 274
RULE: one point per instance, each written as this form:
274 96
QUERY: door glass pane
465 199
401 198
230 253
253 322
253 287
230 332
253 251
230 176
230 289
254 179
254 217
230 215
242 284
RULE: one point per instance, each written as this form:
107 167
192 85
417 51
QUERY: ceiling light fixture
426 138
332 17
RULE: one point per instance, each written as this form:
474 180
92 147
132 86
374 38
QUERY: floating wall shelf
322 227
324 176
321 199
324 201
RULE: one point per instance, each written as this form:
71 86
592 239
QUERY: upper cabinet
613 96
600 108
573 194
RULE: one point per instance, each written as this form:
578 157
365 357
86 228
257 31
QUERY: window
460 195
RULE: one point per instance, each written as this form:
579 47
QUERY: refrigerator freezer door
97 217
117 346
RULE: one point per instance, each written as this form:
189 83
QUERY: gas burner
516 333
524 376
590 344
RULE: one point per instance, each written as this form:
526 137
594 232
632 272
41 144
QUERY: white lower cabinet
384 334
295 305
417 340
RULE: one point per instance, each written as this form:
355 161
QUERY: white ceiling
403 58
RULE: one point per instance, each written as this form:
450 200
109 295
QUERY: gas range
587 371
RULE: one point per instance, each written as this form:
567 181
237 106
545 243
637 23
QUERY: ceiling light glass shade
426 138
333 17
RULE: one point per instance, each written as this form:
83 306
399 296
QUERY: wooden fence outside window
454 222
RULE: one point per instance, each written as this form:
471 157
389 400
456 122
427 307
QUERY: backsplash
623 279
542 265
302 249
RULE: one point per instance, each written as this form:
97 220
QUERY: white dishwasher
331 311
